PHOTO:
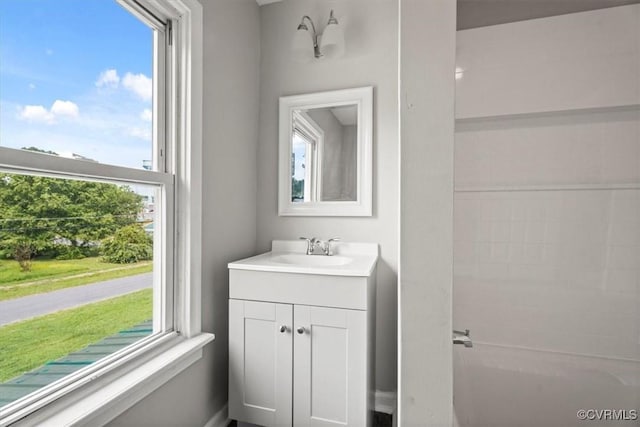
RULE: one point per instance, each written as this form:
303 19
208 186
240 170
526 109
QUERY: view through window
300 173
80 275
305 155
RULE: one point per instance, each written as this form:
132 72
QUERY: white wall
427 55
547 217
229 202
371 28
578 61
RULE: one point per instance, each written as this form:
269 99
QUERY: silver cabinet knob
301 330
283 328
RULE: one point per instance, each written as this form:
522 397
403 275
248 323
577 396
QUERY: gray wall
338 158
231 78
331 173
371 34
349 161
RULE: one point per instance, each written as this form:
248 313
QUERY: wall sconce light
305 44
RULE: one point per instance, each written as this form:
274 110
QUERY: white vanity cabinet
301 348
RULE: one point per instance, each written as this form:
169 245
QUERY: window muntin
155 180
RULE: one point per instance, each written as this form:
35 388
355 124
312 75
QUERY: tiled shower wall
554 270
547 217
547 231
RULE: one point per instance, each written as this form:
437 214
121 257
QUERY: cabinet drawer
350 292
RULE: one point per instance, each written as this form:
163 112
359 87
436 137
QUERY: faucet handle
310 242
329 249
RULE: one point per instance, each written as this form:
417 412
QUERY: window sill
102 400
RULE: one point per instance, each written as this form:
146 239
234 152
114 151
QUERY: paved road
23 308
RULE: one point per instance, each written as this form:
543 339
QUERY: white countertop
288 256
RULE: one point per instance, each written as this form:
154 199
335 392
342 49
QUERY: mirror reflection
324 154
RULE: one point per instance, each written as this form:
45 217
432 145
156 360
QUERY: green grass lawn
31 343
51 275
10 273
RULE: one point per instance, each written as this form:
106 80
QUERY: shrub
6 253
69 252
129 244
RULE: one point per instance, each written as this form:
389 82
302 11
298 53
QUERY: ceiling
481 13
347 115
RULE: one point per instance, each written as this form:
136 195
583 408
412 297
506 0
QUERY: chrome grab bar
463 338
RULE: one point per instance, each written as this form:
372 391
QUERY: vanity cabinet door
330 367
260 360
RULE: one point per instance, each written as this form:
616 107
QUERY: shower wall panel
547 219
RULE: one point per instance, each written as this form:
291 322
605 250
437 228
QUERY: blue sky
75 77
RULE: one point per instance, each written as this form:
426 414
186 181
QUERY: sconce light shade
332 41
302 45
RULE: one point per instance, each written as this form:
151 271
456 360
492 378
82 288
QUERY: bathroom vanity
301 336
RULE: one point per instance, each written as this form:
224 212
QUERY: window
306 158
82 202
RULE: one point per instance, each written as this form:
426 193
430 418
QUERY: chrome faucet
316 246
460 337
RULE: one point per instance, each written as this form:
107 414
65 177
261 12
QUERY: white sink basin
350 259
311 260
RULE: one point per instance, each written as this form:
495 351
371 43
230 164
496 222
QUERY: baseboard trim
220 419
385 402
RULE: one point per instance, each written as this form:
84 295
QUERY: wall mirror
325 153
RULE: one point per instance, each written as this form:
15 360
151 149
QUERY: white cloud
108 78
146 115
141 133
32 86
102 131
49 52
38 113
138 84
65 108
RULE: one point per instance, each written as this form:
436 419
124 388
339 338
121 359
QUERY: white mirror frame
362 98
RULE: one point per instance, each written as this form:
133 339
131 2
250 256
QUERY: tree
38 150
22 252
127 245
46 213
297 189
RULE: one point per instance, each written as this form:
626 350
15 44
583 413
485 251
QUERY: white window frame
313 135
110 386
